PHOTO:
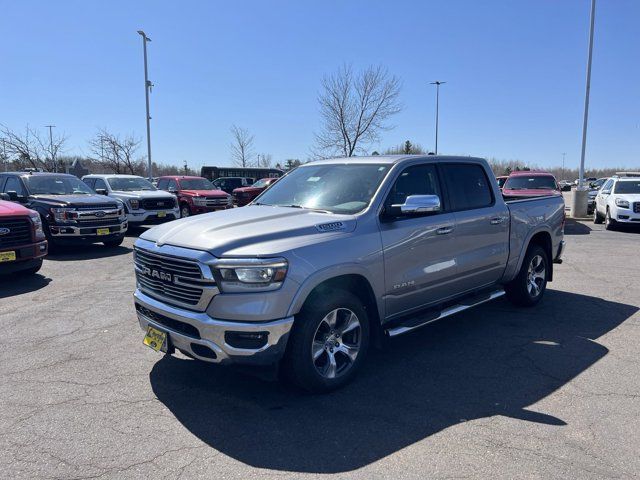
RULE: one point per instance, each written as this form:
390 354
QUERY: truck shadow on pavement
494 360
573 227
86 252
11 285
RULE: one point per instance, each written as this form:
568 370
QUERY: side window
15 185
468 186
172 186
416 180
100 184
162 184
89 182
607 185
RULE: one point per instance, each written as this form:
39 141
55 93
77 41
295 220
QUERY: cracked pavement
502 392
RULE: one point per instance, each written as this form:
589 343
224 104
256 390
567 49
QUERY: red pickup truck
245 195
527 184
195 194
23 244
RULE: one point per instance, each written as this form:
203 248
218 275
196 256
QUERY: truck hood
204 193
248 190
74 200
10 209
251 231
142 194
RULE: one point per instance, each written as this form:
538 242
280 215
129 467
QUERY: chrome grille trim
190 285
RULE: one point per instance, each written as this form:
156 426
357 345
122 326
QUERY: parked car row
617 201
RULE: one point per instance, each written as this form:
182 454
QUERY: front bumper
198 334
195 210
150 217
625 215
87 232
27 256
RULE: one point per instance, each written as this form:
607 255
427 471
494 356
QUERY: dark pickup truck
70 211
22 240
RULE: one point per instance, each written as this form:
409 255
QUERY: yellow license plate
7 256
162 214
103 231
155 339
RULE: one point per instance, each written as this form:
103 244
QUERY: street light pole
147 89
437 83
55 165
579 202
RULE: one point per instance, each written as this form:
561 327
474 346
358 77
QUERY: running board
422 320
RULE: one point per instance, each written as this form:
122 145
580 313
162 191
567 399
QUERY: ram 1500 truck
195 194
144 204
70 211
22 241
337 255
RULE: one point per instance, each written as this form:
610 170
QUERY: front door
420 268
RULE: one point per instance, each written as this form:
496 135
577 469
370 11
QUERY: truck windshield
337 188
263 182
627 187
196 184
130 184
56 185
534 182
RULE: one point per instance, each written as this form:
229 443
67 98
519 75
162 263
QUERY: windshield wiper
307 208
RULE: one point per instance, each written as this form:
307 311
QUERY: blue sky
515 73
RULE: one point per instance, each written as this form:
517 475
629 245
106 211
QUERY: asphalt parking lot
502 392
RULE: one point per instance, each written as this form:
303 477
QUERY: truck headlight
622 203
249 274
134 204
37 226
64 215
200 201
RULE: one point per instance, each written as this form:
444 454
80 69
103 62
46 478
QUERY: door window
172 186
15 185
162 183
100 185
468 186
416 180
89 181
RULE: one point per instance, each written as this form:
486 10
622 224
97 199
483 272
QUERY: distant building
77 169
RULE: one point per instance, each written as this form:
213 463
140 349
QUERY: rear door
419 265
481 242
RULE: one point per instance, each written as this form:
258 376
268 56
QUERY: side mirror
605 192
101 191
14 197
4 196
417 204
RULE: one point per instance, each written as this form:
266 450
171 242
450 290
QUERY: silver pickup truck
338 255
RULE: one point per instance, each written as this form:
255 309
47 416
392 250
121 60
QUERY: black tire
597 218
184 211
311 329
520 291
33 270
114 243
609 223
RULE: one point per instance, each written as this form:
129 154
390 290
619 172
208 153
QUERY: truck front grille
216 201
636 207
19 232
171 279
159 203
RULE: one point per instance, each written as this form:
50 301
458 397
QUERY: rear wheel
530 284
328 342
609 223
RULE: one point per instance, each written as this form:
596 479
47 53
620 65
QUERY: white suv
618 201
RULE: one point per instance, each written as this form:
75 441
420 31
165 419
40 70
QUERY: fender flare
328 273
527 242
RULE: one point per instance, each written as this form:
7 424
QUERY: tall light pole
147 90
55 165
437 83
579 202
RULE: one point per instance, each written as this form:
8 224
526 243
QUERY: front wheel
33 270
114 243
530 284
609 223
328 342
597 218
184 211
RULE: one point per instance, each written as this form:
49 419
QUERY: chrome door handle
497 220
444 230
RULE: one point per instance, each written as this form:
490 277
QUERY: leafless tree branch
241 147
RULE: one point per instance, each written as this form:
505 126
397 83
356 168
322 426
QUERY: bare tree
116 154
355 109
33 149
265 160
241 146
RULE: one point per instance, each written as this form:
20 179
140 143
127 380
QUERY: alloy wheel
536 276
336 343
